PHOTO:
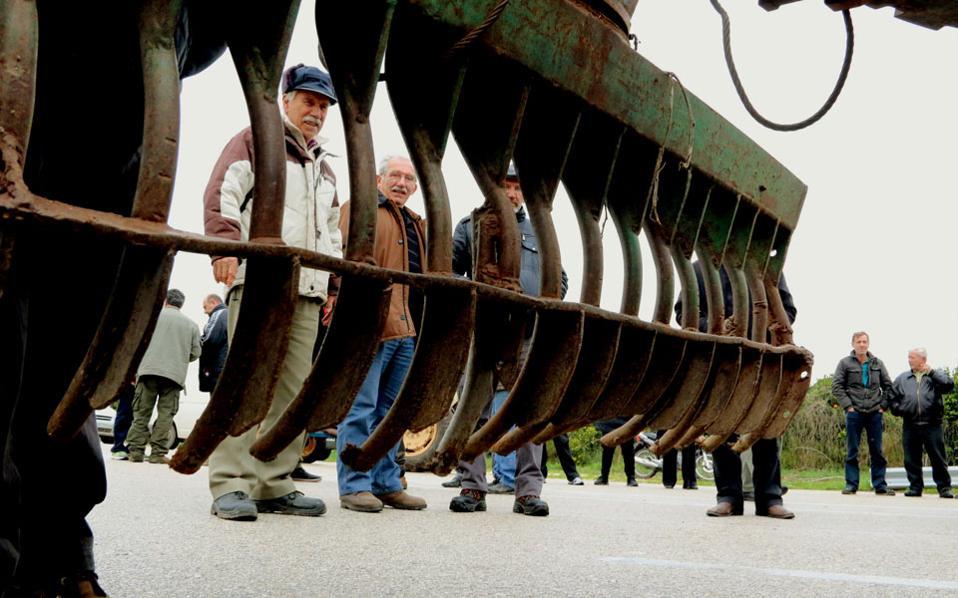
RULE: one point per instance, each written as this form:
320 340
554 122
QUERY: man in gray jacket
861 387
916 397
160 377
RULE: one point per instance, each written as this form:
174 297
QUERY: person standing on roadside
861 386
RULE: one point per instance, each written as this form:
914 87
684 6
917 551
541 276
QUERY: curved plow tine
258 42
140 287
687 395
479 385
797 377
354 56
770 395
441 350
587 176
336 376
637 343
728 359
486 133
543 146
424 89
18 63
540 386
746 388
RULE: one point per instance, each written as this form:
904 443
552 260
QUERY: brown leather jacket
390 252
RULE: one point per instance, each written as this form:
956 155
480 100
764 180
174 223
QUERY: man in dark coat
728 464
214 342
861 387
916 397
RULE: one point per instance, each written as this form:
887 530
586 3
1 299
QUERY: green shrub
584 444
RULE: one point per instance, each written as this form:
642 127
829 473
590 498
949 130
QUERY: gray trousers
528 474
232 468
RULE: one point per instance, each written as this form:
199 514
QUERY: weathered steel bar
140 288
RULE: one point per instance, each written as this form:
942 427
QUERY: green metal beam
557 41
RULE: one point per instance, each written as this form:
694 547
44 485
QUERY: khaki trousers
232 468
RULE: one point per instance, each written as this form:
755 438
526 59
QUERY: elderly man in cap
243 486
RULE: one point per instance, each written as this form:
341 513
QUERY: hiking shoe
136 457
468 501
455 482
946 493
402 500
531 505
777 512
576 481
294 503
885 491
363 502
301 475
601 481
849 490
913 492
158 460
119 455
724 509
234 506
500 488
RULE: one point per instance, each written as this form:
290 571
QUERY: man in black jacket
861 386
214 343
916 397
766 473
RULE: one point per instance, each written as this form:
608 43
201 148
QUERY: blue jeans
873 425
503 467
375 397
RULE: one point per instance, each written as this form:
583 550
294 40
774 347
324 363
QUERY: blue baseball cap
308 78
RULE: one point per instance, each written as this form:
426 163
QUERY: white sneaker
577 481
119 456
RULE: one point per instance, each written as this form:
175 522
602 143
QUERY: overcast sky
875 245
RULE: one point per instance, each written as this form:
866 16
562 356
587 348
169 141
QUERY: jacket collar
295 137
521 213
868 354
385 203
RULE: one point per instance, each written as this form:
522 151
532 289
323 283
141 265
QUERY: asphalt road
155 537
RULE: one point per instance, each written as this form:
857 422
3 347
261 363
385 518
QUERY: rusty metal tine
478 387
767 398
258 41
543 146
442 341
587 177
214 425
18 61
542 380
717 392
746 387
486 134
637 345
332 383
799 368
354 55
144 272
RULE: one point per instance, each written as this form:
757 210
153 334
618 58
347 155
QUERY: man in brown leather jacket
400 245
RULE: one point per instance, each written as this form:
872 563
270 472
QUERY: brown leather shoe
364 502
402 500
777 512
724 509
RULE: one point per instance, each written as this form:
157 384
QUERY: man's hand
850 410
224 270
328 310
880 410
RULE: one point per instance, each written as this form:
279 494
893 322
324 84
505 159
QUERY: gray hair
919 351
384 163
214 298
175 297
289 95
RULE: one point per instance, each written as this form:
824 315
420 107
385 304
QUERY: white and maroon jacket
311 215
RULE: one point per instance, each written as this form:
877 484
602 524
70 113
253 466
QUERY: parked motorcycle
647 464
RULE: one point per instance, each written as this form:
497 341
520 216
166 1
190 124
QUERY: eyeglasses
396 176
